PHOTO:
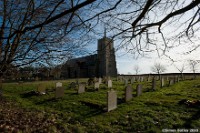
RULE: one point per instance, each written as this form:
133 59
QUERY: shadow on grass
48 100
196 116
96 109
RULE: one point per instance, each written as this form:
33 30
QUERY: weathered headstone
100 80
81 88
132 80
95 79
59 92
91 81
139 89
141 79
162 83
109 83
171 82
96 85
154 83
174 79
177 79
58 84
72 85
111 100
125 82
128 93
148 78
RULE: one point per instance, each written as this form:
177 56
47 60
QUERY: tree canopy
41 31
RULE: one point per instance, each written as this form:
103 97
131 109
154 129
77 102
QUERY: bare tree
181 69
38 30
193 66
136 69
140 23
158 68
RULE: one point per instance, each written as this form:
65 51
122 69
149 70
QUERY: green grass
151 112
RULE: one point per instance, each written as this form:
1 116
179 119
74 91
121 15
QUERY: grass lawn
150 112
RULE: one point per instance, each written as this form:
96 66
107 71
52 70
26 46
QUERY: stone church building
98 65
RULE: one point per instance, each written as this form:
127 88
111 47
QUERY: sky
177 50
125 61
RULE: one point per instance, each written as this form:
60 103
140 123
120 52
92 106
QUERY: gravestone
100 80
154 83
139 89
96 85
109 83
162 82
81 88
128 93
59 92
148 78
132 80
111 100
125 82
91 81
95 79
58 84
72 85
177 80
41 89
141 79
171 82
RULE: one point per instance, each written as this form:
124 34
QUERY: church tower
106 57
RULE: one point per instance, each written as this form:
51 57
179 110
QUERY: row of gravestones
59 91
141 79
81 87
112 96
171 81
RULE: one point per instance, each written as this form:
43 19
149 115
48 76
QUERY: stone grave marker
100 80
58 84
154 84
174 79
177 79
139 89
128 93
96 85
132 80
125 82
171 82
95 79
72 85
59 92
162 82
109 83
141 79
81 88
148 78
111 100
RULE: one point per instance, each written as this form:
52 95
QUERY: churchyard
105 105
